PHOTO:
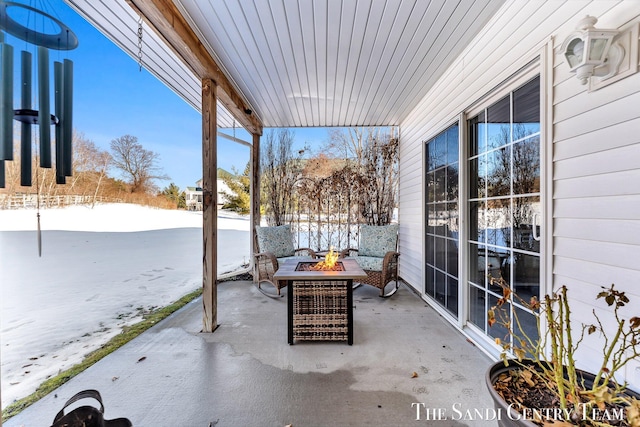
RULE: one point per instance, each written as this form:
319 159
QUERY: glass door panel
442 208
504 206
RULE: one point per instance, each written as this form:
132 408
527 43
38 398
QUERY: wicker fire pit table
320 303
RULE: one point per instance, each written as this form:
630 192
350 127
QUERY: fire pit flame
329 262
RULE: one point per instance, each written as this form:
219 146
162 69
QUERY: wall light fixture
592 52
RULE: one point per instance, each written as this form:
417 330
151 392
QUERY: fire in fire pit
330 263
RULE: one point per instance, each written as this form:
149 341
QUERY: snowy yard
99 269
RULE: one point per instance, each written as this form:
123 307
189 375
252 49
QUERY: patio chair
377 255
275 245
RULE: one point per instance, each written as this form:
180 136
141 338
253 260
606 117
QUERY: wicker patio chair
275 245
377 255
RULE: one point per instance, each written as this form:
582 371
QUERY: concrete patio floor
245 373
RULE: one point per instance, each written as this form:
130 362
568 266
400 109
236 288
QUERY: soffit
311 62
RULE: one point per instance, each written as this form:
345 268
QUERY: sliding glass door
501 173
504 204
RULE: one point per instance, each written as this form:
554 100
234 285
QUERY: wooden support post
255 194
209 206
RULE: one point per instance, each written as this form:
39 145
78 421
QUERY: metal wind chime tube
6 106
6 88
25 136
44 113
67 116
63 85
57 84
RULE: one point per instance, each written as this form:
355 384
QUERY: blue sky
112 98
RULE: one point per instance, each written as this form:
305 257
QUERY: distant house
193 195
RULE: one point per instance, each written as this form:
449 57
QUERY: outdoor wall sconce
593 52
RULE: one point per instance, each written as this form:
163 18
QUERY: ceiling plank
168 22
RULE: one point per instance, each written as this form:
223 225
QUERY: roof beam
166 20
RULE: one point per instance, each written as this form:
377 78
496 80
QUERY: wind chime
42 42
65 39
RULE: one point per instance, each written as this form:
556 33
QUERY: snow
100 269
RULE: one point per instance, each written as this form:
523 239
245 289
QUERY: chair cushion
377 240
278 240
369 262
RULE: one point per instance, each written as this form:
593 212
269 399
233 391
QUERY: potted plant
537 383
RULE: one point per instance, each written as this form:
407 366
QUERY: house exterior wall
591 153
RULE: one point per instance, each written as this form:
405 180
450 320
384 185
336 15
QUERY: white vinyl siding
595 187
596 199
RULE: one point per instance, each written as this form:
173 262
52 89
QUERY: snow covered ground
99 269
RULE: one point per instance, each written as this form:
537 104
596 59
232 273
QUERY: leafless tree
281 168
137 164
90 165
373 156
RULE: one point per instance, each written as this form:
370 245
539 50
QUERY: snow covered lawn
100 269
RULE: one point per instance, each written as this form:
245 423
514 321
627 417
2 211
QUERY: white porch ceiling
310 62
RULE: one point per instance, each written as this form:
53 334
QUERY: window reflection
477 133
498 222
430 249
502 312
529 327
441 287
429 286
438 152
452 145
431 219
477 221
440 185
452 212
440 253
526 166
452 296
452 181
526 109
526 229
475 183
430 182
499 123
476 265
527 275
477 307
498 170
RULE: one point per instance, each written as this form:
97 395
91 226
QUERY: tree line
354 172
359 165
137 166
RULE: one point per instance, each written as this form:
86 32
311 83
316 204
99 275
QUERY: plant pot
509 417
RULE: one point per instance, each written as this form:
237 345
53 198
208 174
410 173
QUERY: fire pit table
320 302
